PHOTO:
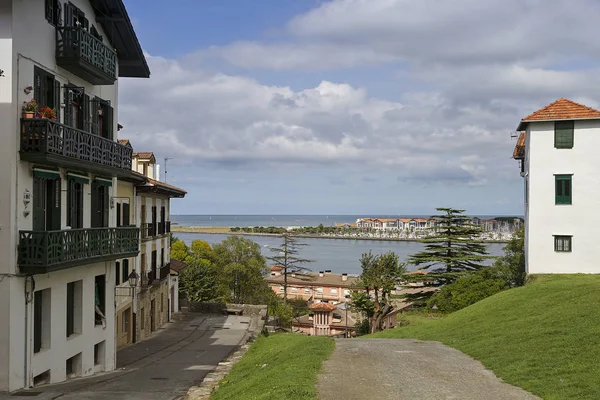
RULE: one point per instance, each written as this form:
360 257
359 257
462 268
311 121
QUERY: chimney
293 274
320 274
344 277
327 271
157 172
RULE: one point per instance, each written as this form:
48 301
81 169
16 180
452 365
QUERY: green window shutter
563 134
563 189
125 214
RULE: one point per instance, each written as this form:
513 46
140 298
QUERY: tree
380 273
287 258
181 252
199 281
201 250
241 269
511 266
453 248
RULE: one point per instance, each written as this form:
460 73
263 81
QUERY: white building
557 149
58 230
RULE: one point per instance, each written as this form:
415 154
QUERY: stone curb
211 381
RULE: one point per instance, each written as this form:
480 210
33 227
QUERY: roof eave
523 123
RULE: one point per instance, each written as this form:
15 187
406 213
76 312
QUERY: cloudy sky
351 106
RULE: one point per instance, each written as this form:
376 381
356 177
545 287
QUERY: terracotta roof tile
322 307
519 152
144 154
177 265
165 185
124 142
563 109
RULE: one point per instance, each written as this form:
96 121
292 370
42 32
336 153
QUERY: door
46 204
124 328
152 319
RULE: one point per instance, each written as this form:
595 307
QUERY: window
294 289
100 205
320 290
562 243
125 271
53 12
46 90
125 321
117 273
563 189
281 288
333 291
75 17
100 300
74 204
563 134
41 320
77 107
123 213
46 204
143 318
307 290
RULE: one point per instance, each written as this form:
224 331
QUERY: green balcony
46 251
79 52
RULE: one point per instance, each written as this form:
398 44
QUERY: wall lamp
28 89
2 73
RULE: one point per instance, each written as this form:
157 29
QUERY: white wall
28 40
580 219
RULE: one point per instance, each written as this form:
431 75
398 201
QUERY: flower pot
28 114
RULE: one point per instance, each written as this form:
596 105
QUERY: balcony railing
45 136
45 251
79 52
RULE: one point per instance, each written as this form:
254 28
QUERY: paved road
386 369
162 367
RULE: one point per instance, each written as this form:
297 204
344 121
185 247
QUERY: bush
468 290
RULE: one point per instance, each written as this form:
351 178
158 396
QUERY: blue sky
350 106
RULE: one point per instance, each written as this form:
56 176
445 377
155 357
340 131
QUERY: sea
337 255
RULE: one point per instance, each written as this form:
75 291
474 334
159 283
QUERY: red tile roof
276 268
322 307
166 186
144 154
561 109
177 265
519 152
124 142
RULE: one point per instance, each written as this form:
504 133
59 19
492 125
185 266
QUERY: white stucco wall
28 40
544 218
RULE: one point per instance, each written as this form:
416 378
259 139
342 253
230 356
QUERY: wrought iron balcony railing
48 137
81 53
45 251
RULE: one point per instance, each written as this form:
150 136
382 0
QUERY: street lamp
133 281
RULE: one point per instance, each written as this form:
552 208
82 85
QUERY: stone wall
160 294
220 308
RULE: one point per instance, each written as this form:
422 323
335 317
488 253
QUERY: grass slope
291 365
543 337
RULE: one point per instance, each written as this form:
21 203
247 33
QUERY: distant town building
312 286
557 152
324 319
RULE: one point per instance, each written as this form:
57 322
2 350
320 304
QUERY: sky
382 107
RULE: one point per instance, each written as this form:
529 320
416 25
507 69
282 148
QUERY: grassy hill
543 337
280 366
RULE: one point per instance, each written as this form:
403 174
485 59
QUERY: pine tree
454 247
287 258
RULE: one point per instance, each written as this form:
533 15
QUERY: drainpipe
28 336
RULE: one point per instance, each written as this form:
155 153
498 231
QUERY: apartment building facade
323 285
556 151
60 163
158 293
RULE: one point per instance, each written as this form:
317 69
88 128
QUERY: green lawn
280 366
543 337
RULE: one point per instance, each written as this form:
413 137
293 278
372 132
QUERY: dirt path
385 369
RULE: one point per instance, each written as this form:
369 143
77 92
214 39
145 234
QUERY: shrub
468 290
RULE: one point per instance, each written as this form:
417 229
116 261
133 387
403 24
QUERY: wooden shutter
107 126
70 309
68 110
118 214
125 214
55 206
95 121
105 209
85 121
71 216
94 206
69 18
39 200
56 104
58 14
37 321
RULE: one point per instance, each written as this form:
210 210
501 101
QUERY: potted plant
30 109
47 112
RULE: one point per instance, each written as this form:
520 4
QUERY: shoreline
227 231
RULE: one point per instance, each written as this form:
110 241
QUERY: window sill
73 336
